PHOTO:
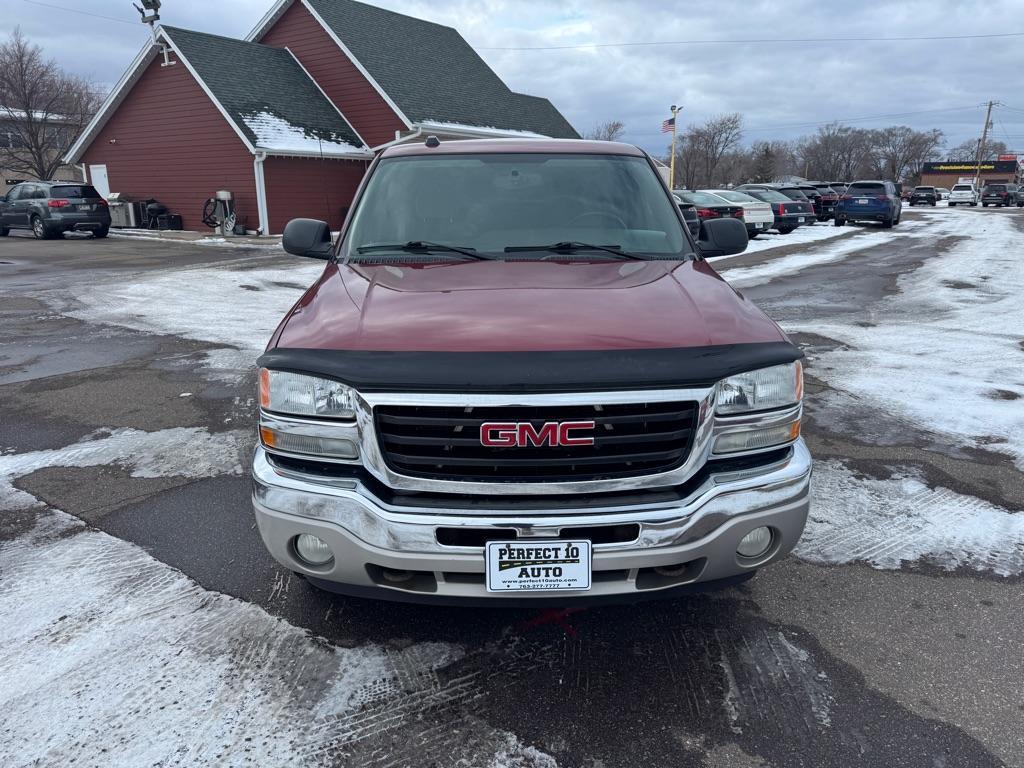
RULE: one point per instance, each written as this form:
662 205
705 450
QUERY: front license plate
537 566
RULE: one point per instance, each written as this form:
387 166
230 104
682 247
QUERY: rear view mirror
722 237
308 237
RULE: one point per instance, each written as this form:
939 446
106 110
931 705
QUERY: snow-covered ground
137 665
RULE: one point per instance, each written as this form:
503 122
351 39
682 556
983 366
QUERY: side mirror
3 198
722 237
308 237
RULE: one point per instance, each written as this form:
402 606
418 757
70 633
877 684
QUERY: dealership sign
1000 166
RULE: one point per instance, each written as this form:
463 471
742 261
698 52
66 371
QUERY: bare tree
609 131
967 151
900 151
43 108
701 149
835 152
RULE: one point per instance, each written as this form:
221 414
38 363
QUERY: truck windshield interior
489 203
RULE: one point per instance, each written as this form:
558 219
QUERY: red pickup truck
518 379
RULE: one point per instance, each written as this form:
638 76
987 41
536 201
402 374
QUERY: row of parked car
1003 195
784 207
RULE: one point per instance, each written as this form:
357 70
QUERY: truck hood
517 306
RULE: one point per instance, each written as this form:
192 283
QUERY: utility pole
672 160
981 144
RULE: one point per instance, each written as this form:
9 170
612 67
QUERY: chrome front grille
443 442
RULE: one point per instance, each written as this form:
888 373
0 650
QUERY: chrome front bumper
690 541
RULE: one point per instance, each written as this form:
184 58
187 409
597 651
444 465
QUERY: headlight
762 389
299 395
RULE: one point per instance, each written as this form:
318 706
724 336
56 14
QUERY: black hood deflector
555 371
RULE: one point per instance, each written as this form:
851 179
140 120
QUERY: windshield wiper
571 246
420 246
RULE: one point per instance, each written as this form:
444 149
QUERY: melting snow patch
946 346
182 452
514 754
138 665
743 277
207 304
275 133
887 523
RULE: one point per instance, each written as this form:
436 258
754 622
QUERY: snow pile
945 351
277 134
179 452
891 522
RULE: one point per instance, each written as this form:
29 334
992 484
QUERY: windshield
734 197
768 195
702 198
794 194
865 189
74 191
487 203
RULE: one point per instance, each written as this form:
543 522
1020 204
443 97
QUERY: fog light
333 447
312 549
757 438
755 543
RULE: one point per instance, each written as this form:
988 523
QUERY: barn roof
267 95
429 71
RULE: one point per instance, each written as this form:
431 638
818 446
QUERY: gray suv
50 208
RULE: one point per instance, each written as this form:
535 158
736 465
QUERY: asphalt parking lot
144 623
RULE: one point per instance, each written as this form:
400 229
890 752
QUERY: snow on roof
277 134
482 130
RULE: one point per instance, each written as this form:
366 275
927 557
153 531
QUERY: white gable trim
114 98
195 75
282 6
268 20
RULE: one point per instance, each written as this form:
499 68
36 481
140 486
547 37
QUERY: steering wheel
605 215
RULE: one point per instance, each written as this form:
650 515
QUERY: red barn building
289 119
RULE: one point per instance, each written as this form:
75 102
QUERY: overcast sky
781 88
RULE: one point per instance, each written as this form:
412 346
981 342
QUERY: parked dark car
689 211
1000 194
802 205
50 208
870 201
789 214
829 198
710 206
924 196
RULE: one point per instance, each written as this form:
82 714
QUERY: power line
742 41
76 10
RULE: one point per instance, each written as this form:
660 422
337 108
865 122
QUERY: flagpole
672 161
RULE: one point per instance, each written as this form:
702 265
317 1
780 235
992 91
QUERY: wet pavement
808 664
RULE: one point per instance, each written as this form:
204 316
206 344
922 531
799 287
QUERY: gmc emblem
523 434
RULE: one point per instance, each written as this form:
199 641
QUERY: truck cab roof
502 146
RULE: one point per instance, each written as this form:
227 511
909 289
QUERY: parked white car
943 193
757 215
964 194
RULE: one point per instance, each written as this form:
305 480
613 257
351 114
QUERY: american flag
669 125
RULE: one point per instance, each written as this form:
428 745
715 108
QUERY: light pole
672 160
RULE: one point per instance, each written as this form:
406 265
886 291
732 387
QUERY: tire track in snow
887 523
138 665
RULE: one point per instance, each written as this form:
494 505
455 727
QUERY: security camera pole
150 12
